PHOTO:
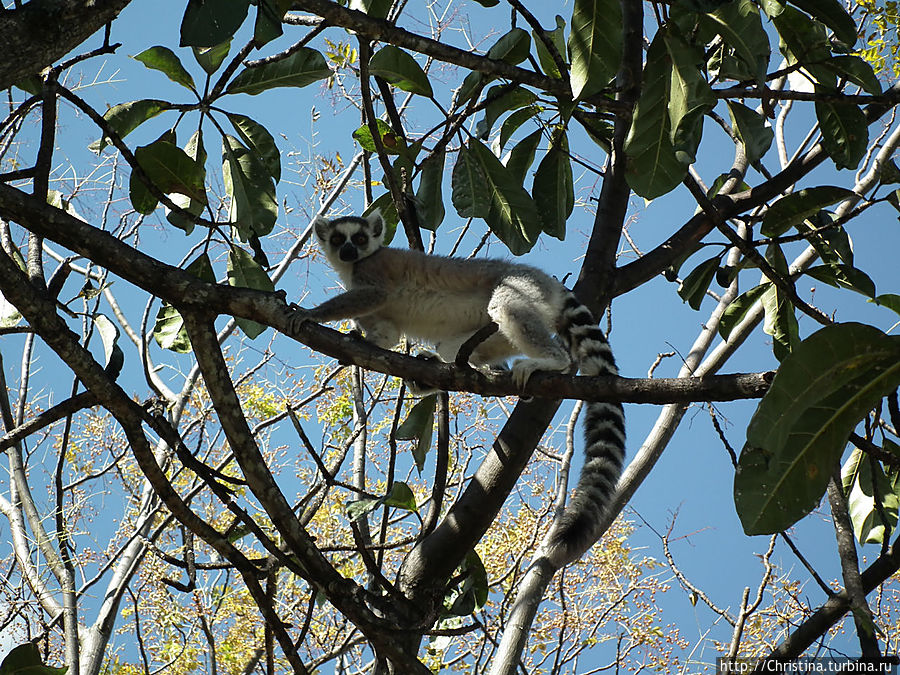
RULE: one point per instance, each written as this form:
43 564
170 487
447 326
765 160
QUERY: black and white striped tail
604 434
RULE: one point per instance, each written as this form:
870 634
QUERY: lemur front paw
296 316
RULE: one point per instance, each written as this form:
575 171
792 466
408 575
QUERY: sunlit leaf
244 272
595 45
799 430
165 60
126 117
796 207
210 58
300 69
739 307
400 69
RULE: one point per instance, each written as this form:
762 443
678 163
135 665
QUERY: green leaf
300 69
802 40
855 70
595 45
752 130
31 84
469 190
210 58
471 593
512 215
738 308
109 335
170 169
258 139
863 480
400 69
833 15
690 97
781 320
429 195
385 205
510 98
269 16
598 127
553 190
521 157
244 272
739 23
391 142
844 276
208 23
512 48
889 300
399 496
512 123
796 207
695 284
169 331
653 167
799 430
164 60
195 150
831 241
26 660
557 37
126 117
845 132
419 426
254 208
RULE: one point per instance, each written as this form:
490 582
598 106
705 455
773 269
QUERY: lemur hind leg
514 310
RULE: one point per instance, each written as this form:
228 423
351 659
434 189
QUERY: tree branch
42 31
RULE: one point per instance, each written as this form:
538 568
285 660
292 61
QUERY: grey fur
444 301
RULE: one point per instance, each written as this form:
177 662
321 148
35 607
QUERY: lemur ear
320 225
376 222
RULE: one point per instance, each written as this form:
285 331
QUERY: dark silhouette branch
42 31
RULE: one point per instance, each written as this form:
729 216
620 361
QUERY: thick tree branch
42 31
185 290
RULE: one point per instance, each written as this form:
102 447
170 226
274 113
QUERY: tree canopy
197 483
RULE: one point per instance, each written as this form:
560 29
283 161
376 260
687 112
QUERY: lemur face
350 238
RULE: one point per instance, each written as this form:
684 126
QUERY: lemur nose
348 252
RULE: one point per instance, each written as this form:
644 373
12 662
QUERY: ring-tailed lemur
444 301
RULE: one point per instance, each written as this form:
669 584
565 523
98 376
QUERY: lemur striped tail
604 435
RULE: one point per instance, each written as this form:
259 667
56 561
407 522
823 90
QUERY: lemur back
444 301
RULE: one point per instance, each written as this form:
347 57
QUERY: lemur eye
360 239
337 239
